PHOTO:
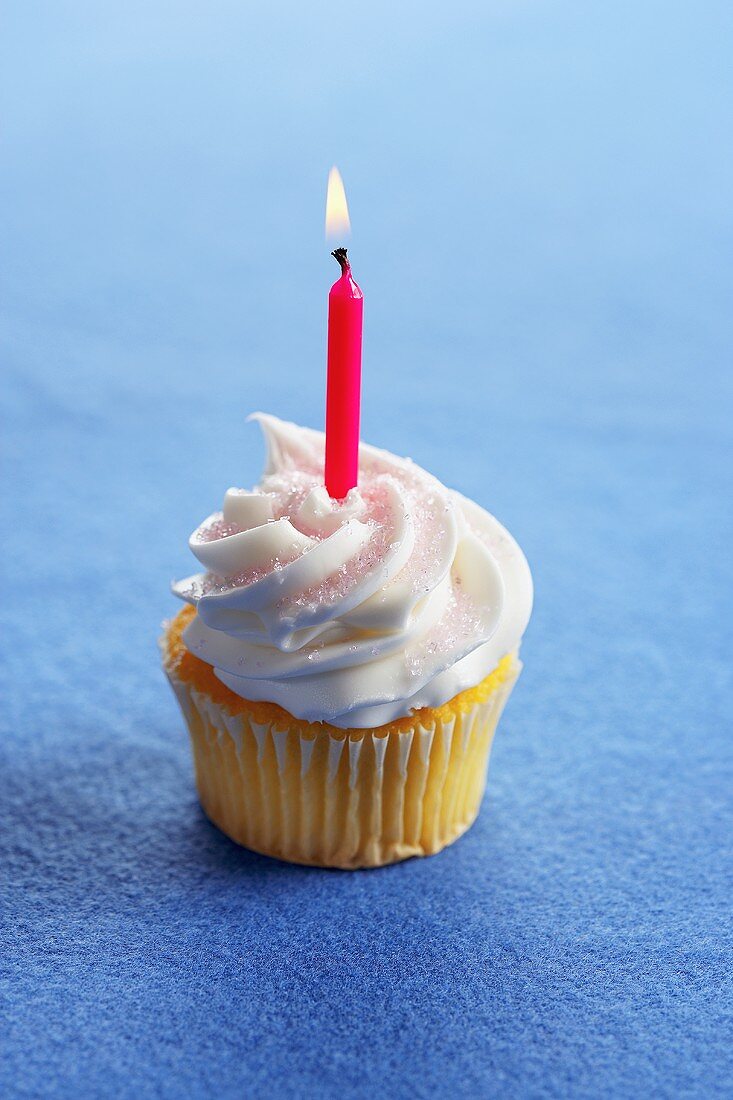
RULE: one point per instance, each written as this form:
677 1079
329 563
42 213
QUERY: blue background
542 228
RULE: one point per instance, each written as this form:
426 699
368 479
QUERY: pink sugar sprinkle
335 588
287 491
218 529
459 629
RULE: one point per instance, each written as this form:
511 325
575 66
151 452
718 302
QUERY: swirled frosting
352 612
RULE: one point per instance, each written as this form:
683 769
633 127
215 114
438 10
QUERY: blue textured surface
558 347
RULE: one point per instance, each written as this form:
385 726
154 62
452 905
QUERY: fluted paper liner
332 798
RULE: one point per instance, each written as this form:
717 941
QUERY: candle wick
340 255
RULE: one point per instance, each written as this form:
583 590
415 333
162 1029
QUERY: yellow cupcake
310 793
344 663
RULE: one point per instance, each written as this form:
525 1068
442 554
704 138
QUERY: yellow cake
308 792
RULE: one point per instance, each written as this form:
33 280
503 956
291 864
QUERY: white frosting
352 612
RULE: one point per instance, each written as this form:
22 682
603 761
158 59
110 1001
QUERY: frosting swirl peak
353 612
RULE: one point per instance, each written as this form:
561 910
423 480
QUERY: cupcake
342 664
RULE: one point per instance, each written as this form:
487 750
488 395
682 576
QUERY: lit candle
343 389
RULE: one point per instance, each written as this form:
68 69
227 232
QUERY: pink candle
343 393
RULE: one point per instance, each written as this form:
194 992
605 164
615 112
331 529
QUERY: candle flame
337 211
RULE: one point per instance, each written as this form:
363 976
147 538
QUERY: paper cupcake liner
353 798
